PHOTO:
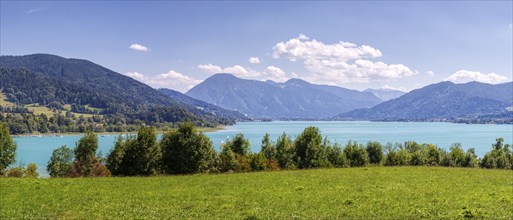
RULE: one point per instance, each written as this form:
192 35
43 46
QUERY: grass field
373 192
4 102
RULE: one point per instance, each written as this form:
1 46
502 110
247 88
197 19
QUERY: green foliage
258 162
375 152
455 157
187 150
239 144
308 148
60 163
268 147
16 172
115 158
227 158
7 147
356 154
471 159
136 155
285 152
85 154
336 156
31 171
500 157
434 156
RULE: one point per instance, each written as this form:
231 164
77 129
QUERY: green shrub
308 148
187 150
356 154
375 152
60 162
285 152
239 144
31 171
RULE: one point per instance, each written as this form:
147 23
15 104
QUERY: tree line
186 151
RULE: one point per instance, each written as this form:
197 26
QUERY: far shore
202 129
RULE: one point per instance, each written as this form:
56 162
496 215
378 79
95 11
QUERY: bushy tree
136 155
285 152
239 144
499 157
187 150
308 148
7 147
433 155
85 154
228 162
60 162
455 157
258 162
87 163
356 154
336 156
116 156
31 171
375 152
268 147
471 159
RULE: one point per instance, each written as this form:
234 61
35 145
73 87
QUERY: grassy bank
372 192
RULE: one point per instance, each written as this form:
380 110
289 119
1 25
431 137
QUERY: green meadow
350 193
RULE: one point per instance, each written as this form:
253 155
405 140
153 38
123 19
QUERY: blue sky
355 45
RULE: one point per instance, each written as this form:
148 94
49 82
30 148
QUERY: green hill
54 82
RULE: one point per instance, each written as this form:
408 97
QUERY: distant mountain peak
293 99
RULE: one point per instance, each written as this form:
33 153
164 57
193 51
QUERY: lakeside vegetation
352 193
186 150
393 181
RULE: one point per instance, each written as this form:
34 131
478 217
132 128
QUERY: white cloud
430 73
172 80
270 73
254 60
138 47
136 75
510 26
209 68
463 76
402 89
338 63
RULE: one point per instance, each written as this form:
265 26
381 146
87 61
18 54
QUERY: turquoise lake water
39 149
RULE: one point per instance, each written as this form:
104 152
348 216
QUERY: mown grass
352 193
37 110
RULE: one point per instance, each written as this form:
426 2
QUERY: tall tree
285 152
187 150
7 148
308 148
142 154
239 144
60 162
85 154
268 147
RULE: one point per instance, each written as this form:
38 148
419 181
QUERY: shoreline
201 129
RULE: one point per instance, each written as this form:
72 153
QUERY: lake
479 136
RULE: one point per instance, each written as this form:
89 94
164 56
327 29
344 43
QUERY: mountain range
50 80
293 99
54 81
441 101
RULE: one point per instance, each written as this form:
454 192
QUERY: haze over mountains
294 99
